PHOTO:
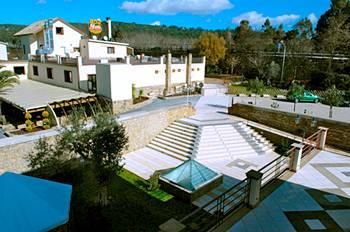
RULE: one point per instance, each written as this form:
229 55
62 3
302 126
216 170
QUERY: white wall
84 71
122 76
97 49
113 81
3 51
9 65
58 74
66 42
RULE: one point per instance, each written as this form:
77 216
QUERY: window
59 31
156 72
174 70
49 73
92 83
179 70
192 69
68 76
110 50
24 49
19 70
35 71
198 69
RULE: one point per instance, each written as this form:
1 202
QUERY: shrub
45 114
27 115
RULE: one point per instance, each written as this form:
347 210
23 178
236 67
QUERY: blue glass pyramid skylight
190 175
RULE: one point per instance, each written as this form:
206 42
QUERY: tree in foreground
332 97
7 79
256 86
99 145
212 46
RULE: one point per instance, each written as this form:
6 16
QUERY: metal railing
275 168
213 213
311 143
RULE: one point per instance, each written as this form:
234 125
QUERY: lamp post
281 43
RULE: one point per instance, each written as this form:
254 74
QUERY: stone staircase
177 140
229 141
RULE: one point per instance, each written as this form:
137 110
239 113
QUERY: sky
208 14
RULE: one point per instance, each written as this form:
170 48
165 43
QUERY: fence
213 213
311 143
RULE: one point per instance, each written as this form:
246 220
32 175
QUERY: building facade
59 54
3 51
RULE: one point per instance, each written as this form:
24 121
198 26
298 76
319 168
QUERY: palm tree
333 97
256 86
7 79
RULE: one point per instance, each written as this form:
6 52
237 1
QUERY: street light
281 43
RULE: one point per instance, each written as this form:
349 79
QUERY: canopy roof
32 204
30 95
190 175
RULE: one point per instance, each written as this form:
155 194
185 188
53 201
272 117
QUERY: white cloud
313 18
41 2
257 19
172 7
156 23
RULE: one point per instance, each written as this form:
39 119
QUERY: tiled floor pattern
317 198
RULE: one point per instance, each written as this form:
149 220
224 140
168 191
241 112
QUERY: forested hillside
137 35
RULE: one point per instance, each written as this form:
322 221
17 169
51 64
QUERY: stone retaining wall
338 134
141 130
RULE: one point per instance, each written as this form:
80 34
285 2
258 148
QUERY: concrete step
172 145
177 135
184 125
183 129
169 151
174 130
175 140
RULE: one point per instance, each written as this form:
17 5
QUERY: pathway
317 197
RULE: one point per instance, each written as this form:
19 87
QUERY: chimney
109 24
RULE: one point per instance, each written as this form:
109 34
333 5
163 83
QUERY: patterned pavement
316 198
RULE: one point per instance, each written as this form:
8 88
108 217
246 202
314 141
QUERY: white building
59 54
99 49
3 51
50 37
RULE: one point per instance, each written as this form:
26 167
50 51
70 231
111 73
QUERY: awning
30 204
30 95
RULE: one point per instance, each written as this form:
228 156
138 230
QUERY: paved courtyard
316 198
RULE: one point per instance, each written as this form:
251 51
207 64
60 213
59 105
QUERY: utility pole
284 59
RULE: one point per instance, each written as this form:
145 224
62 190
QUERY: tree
256 86
295 90
7 79
100 145
212 46
272 72
332 97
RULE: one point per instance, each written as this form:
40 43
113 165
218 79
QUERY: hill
137 35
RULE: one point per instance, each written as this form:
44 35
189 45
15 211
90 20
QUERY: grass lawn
130 208
238 89
142 184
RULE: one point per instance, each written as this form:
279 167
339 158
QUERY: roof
32 204
4 43
190 175
38 26
30 95
107 42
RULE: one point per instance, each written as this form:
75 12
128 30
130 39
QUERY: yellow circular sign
95 26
